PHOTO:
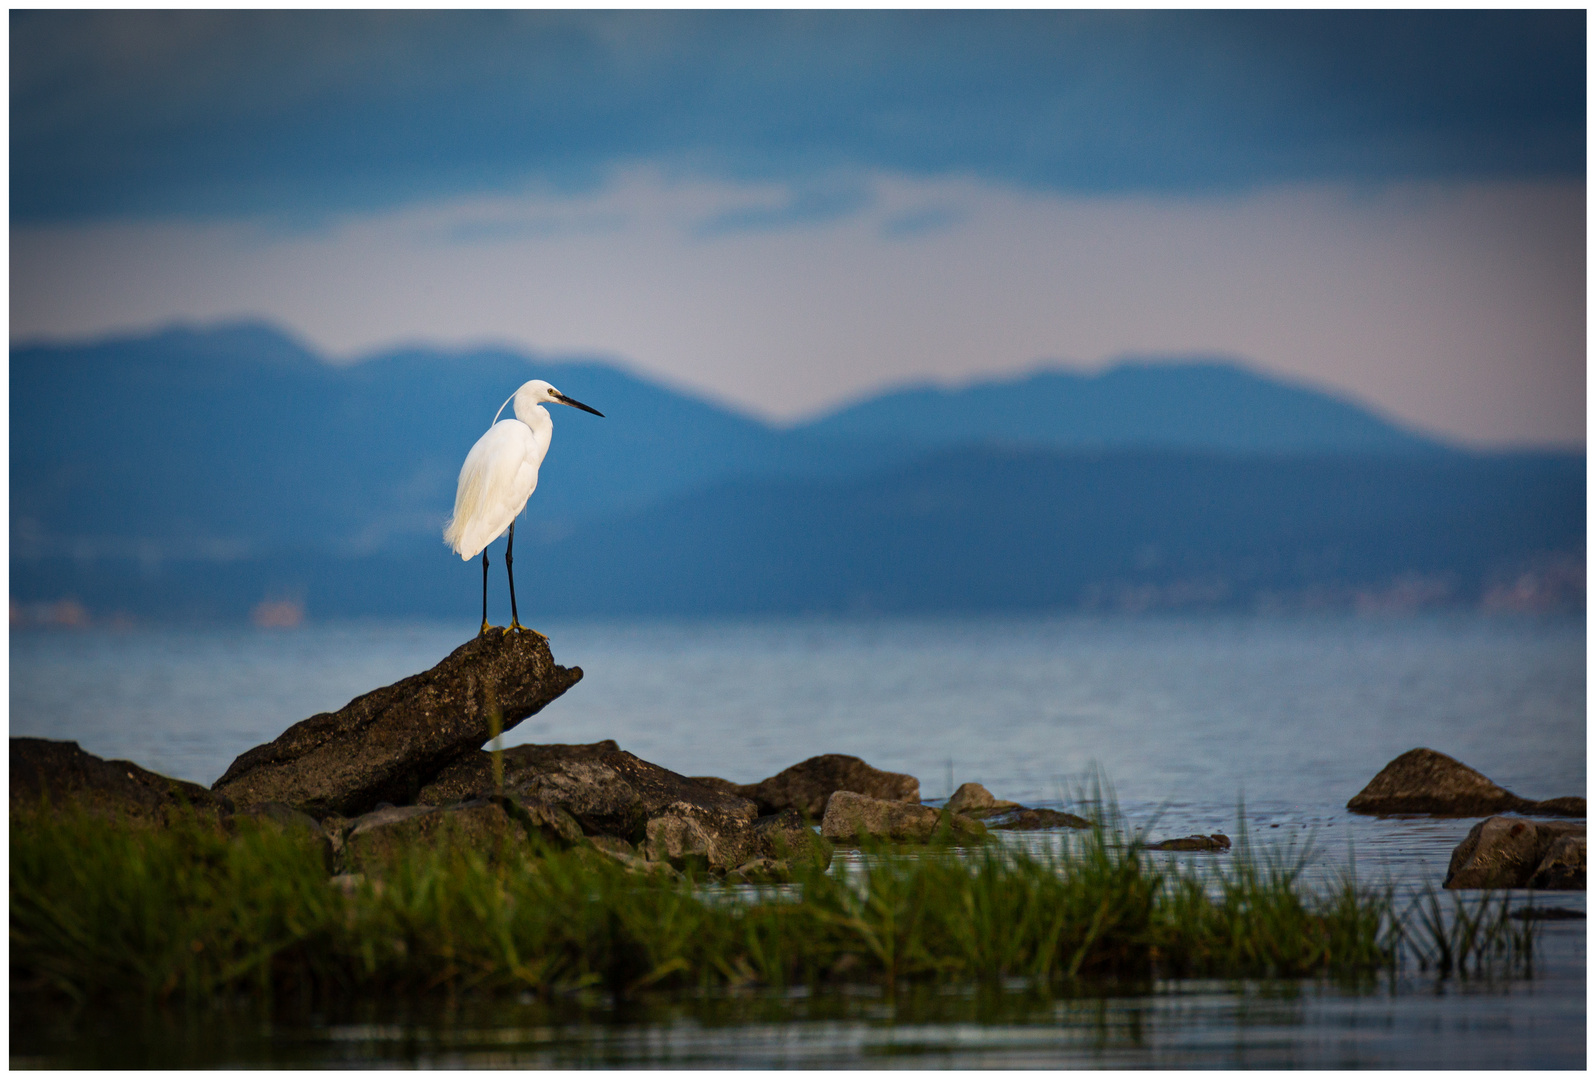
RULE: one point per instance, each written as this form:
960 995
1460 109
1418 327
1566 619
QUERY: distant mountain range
1187 406
197 472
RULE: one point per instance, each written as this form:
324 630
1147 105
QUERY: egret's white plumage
500 474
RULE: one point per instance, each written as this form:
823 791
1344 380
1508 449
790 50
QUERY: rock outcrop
807 786
62 774
1515 853
850 815
386 745
1425 781
976 801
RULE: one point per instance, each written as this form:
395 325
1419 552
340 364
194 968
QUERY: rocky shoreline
405 765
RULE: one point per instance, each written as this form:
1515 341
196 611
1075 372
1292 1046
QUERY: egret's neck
533 416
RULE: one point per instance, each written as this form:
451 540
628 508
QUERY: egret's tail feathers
467 508
454 536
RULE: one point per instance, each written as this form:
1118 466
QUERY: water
1190 720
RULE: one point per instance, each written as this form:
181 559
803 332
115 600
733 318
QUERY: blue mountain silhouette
1191 405
195 470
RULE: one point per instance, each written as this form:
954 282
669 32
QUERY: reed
100 909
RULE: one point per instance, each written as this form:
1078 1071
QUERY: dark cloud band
304 113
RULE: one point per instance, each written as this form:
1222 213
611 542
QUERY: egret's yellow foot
517 627
484 629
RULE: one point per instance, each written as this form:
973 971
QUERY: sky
787 211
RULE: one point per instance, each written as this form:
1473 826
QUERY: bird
499 475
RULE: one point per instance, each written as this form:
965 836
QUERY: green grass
100 910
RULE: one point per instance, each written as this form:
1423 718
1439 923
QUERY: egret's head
546 392
538 392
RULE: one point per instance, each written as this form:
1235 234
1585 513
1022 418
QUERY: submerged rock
850 815
1425 781
62 774
1549 913
1027 819
807 786
976 801
387 744
973 800
1515 853
1211 842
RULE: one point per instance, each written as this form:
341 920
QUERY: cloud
797 208
1456 307
210 115
921 222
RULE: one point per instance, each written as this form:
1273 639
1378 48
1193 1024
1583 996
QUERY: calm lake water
1189 720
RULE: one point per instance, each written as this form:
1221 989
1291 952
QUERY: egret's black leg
484 629
509 568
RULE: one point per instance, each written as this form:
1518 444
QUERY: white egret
499 475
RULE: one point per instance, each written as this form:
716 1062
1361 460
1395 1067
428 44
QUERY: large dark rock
385 745
1515 853
807 786
669 817
1428 782
62 774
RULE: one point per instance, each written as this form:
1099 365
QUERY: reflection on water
1202 725
1410 1022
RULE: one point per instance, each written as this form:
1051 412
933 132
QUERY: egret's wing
494 484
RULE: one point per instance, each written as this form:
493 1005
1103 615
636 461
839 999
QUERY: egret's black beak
575 404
